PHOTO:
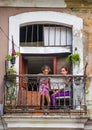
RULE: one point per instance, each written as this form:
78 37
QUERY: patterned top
44 85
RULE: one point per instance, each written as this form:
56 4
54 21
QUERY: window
45 35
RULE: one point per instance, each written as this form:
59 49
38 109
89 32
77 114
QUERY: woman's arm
67 81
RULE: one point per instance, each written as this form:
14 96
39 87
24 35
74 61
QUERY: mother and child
45 88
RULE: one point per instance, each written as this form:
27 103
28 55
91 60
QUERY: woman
65 89
44 85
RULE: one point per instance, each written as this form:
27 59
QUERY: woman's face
46 71
63 71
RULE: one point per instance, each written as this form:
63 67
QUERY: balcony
22 95
23 109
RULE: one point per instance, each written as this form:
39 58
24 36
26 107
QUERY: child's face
46 71
63 71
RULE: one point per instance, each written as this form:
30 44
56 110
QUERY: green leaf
73 58
18 53
8 57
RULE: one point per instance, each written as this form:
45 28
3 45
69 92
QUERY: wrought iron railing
22 94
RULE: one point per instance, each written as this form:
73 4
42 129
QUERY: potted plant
11 94
11 85
11 70
73 58
11 73
12 58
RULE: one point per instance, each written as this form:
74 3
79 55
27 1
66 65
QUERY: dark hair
64 68
45 67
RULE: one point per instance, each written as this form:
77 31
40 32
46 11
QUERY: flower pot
13 60
11 77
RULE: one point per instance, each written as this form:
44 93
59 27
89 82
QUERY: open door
23 69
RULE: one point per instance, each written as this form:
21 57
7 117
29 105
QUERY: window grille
45 35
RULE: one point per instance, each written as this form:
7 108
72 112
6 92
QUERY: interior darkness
31 33
36 62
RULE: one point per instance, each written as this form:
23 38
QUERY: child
44 85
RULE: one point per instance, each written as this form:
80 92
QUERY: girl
44 85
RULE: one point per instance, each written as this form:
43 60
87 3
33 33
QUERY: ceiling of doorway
36 62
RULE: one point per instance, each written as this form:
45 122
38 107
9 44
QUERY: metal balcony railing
22 94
